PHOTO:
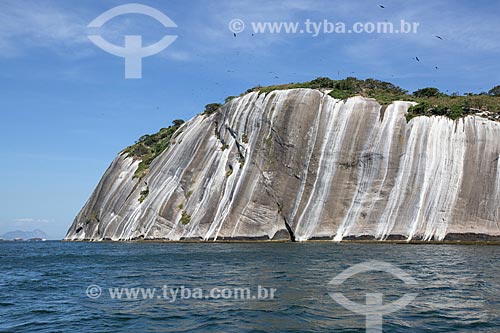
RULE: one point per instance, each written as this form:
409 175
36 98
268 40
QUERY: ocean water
44 287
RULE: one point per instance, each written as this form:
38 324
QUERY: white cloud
28 24
31 220
177 55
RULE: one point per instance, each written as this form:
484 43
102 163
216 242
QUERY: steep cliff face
298 164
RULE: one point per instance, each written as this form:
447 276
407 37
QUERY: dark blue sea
82 287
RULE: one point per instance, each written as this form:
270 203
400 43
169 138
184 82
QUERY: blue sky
67 109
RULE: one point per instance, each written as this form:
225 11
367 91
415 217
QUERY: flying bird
234 34
439 37
436 67
416 58
381 6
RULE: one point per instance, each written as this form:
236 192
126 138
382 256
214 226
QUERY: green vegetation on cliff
150 146
144 195
185 218
455 106
430 100
212 108
319 83
384 92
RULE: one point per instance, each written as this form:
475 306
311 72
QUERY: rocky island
323 160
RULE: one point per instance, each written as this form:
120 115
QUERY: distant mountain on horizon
37 233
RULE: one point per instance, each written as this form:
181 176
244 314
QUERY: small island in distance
18 235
